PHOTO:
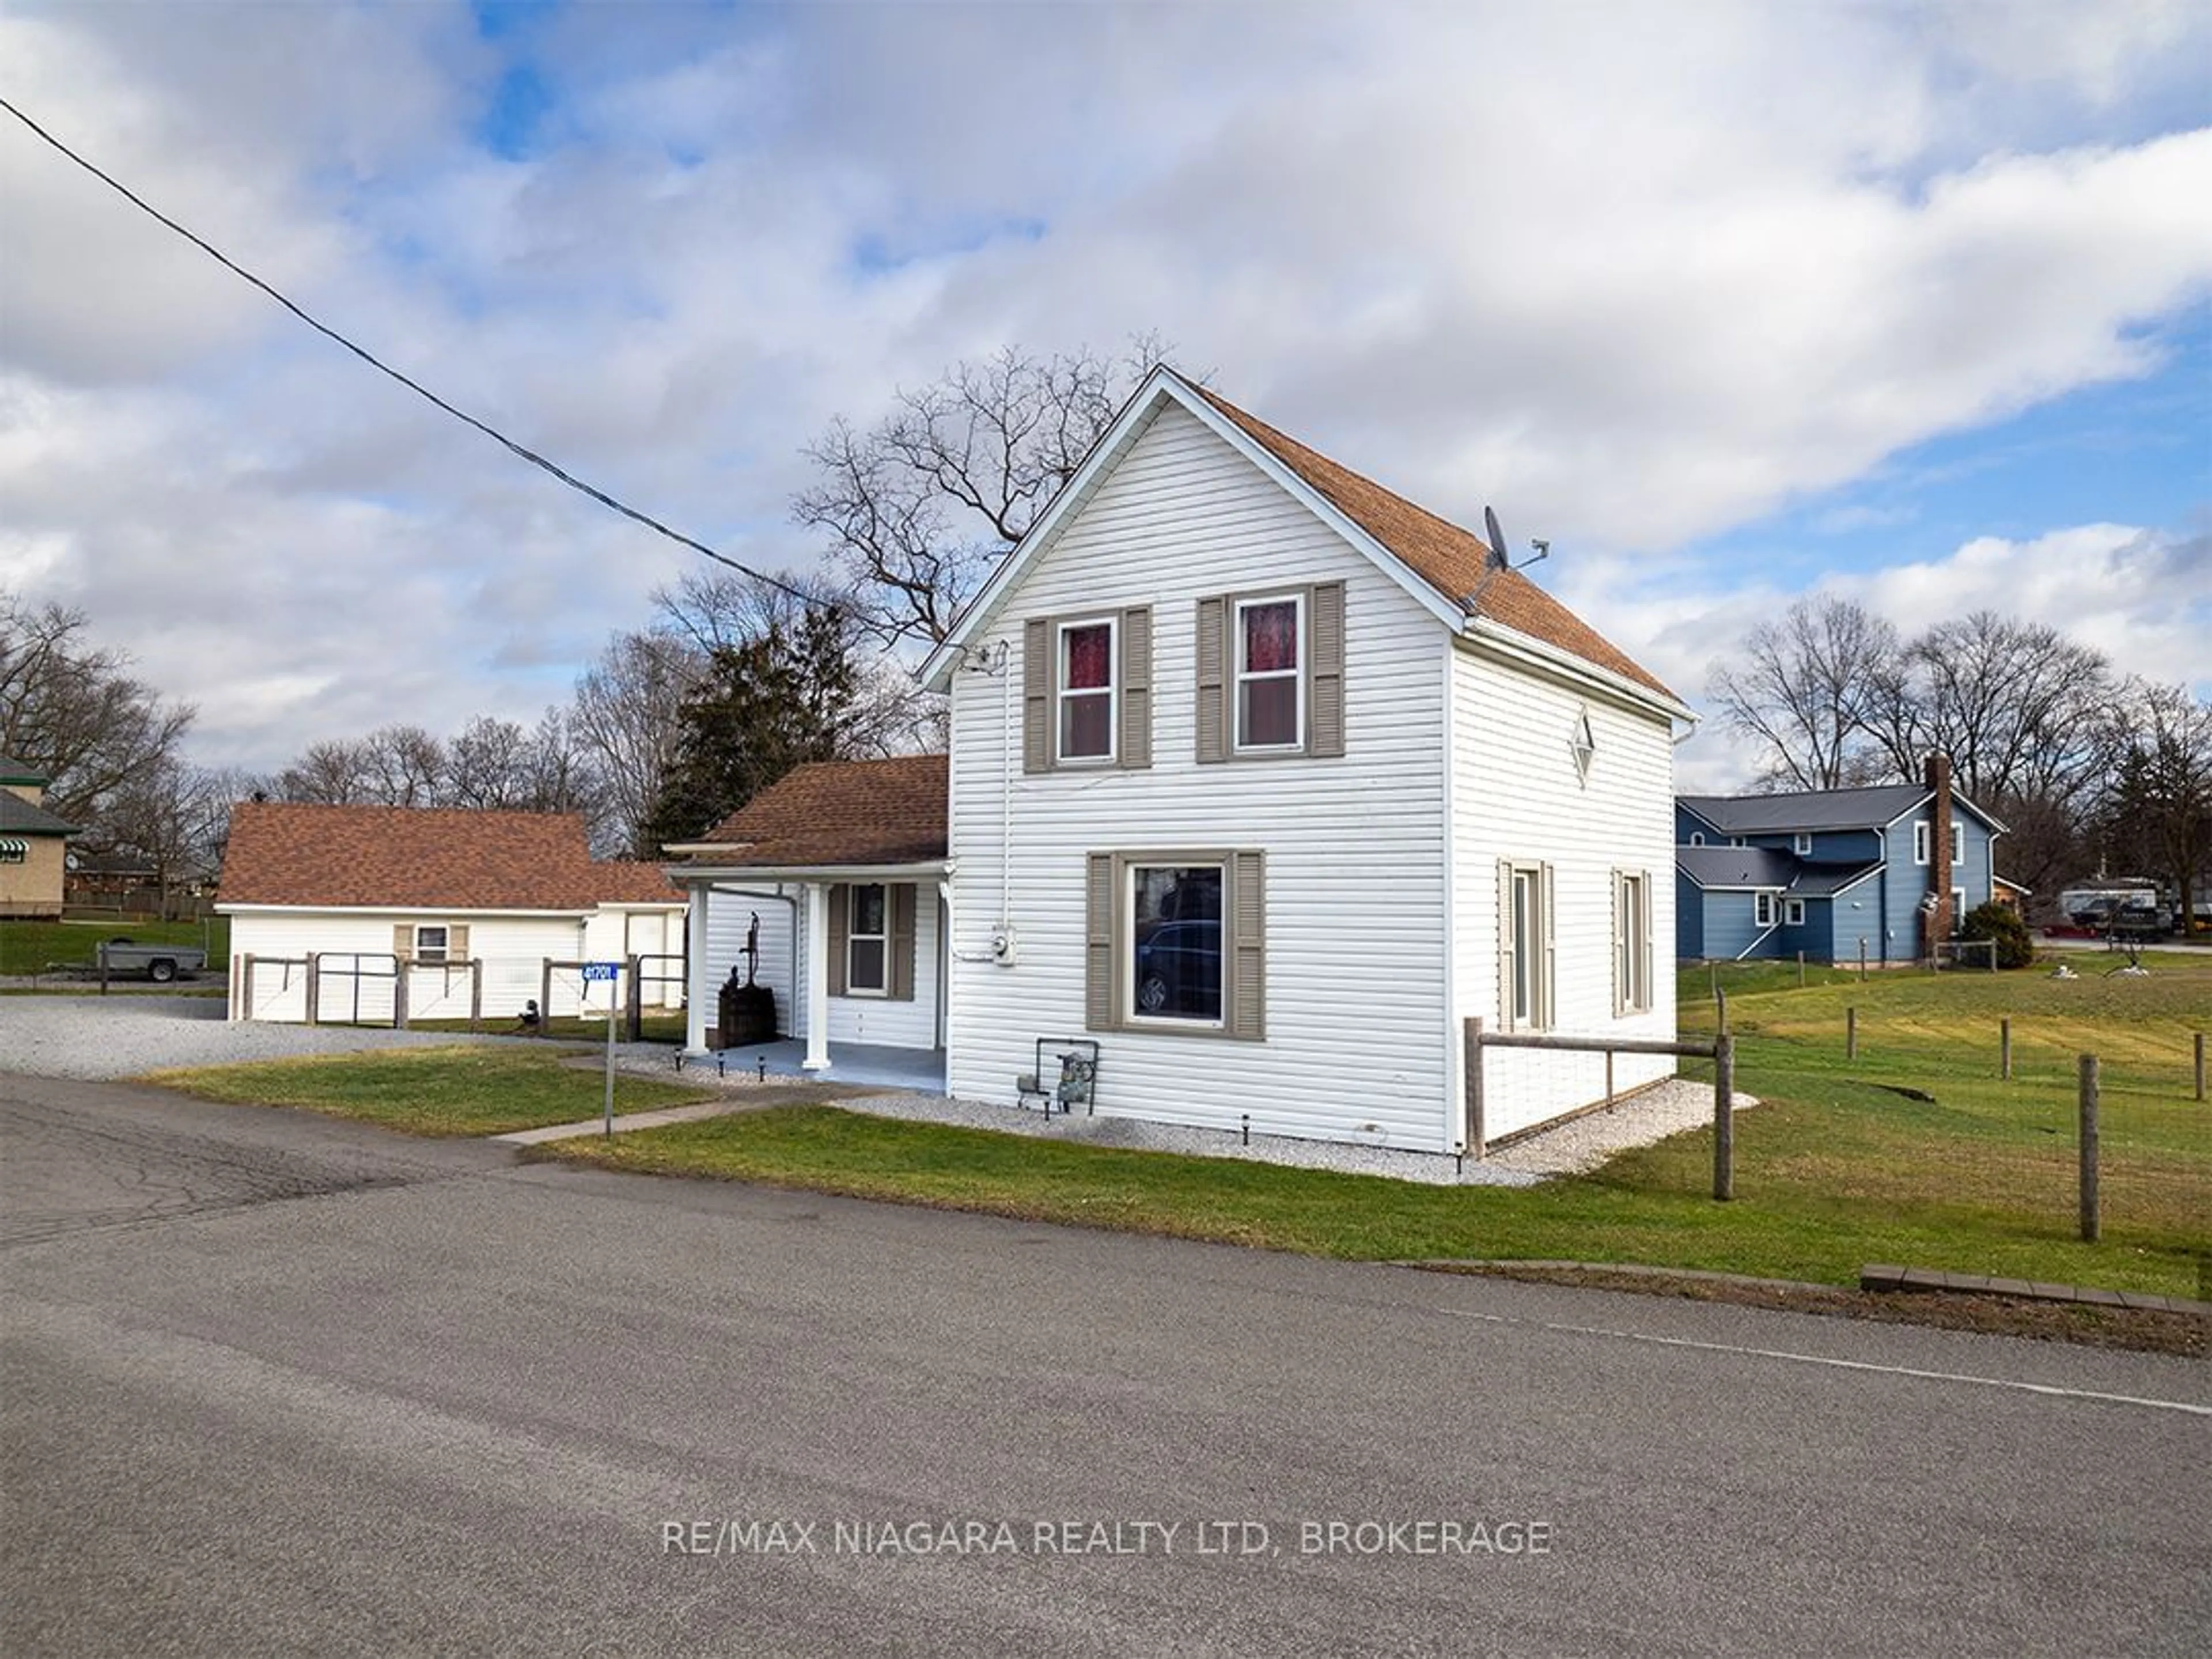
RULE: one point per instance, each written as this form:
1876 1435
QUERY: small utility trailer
159 962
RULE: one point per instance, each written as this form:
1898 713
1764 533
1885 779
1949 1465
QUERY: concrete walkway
628 1120
738 1095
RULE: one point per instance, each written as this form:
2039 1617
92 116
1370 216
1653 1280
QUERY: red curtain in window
1090 658
1271 638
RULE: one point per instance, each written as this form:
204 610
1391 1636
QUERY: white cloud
1636 272
2141 597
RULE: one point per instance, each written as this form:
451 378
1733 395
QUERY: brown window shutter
1137 688
1037 672
1248 945
403 939
1505 945
1545 992
1643 944
1213 709
901 941
1325 724
1099 907
839 936
1620 987
456 942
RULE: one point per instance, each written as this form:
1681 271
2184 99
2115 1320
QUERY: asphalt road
277 1384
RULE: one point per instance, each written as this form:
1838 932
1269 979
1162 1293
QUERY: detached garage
372 914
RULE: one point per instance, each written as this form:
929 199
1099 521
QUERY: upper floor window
1920 841
1958 841
1802 844
1270 709
1271 674
1086 690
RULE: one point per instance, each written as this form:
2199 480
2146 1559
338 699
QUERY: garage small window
430 944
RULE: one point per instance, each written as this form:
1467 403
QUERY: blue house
1887 871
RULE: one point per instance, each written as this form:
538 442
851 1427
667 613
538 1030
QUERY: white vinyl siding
1353 977
1518 798
512 948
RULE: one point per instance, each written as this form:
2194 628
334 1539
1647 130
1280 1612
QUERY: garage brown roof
417 858
1449 559
838 812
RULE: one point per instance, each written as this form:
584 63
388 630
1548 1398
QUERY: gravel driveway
106 1037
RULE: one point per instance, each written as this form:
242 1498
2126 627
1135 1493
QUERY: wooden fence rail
1720 1049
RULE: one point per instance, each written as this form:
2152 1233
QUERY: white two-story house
1265 779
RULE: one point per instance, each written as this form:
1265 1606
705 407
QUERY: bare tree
172 815
1804 688
74 711
626 716
916 506
2157 813
334 772
406 766
486 766
2022 711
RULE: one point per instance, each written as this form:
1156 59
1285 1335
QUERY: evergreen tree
789 694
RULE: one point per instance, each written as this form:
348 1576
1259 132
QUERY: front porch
918 1071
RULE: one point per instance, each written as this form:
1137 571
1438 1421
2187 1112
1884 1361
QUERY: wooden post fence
1721 1051
2089 1092
1851 1033
2200 1066
1471 1045
2004 1049
1723 1117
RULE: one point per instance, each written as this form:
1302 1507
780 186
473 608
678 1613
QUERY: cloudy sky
1729 302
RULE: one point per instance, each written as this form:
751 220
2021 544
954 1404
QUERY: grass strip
458 1091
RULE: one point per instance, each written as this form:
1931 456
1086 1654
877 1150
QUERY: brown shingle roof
1447 558
288 853
833 812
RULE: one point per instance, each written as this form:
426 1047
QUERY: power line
414 386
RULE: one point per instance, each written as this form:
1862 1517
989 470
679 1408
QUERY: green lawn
1834 1170
461 1091
1837 1168
31 947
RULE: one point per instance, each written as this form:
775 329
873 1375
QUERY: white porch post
696 974
817 978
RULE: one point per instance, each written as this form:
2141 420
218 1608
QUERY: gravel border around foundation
1669 1109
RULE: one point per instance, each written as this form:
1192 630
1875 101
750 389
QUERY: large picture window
1176 941
1086 690
1174 929
867 942
1270 682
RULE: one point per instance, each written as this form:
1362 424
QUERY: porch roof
844 817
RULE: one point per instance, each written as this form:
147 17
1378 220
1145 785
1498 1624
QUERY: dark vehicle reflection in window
1179 971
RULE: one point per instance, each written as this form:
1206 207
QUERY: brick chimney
1941 921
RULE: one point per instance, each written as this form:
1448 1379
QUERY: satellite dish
1496 560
